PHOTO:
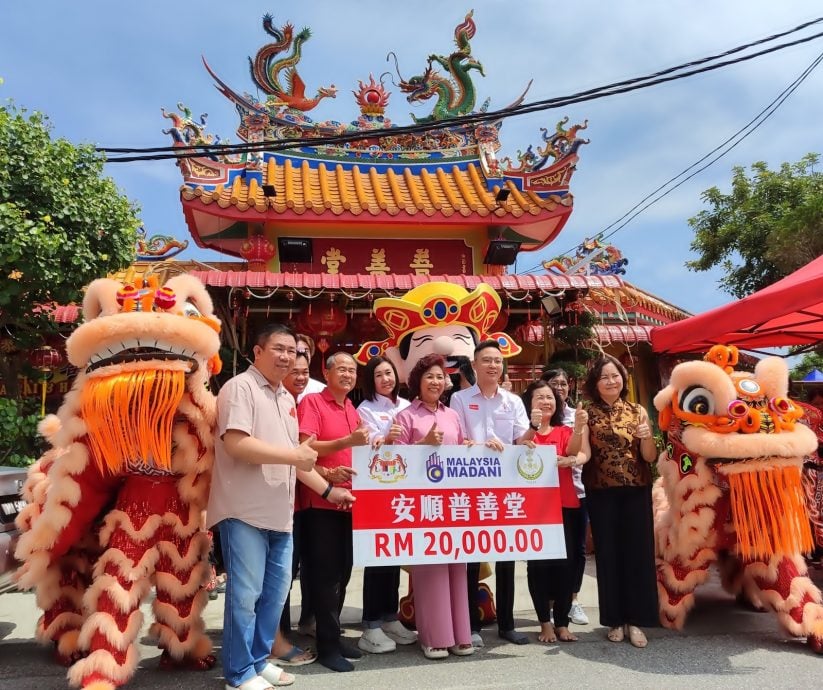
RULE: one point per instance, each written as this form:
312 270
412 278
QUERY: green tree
768 226
62 224
811 360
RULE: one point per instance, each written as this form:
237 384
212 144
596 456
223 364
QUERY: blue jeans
258 570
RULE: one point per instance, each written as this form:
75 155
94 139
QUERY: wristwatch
536 427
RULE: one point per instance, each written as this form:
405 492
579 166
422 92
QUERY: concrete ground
723 646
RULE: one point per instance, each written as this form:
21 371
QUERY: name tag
474 406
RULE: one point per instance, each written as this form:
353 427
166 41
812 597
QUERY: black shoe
514 636
335 662
349 651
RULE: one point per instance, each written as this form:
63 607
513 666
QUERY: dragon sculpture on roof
455 96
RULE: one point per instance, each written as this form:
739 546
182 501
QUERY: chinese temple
322 217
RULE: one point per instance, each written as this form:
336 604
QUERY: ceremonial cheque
451 504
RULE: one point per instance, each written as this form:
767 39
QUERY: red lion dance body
115 505
730 491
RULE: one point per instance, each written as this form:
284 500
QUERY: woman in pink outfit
441 608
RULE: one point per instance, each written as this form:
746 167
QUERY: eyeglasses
283 350
492 360
559 384
302 351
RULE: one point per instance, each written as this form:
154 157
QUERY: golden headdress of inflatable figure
438 304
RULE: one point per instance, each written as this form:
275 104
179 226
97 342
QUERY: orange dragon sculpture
730 491
115 506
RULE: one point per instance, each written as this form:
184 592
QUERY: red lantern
258 251
530 332
323 320
45 359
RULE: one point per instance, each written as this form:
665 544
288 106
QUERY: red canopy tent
788 312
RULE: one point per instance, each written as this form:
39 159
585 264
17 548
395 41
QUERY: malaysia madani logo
387 467
434 468
530 465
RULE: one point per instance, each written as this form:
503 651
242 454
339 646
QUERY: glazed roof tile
354 190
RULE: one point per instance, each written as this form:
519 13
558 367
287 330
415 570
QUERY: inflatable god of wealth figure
115 505
440 318
730 491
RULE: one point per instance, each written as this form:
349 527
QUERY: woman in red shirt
553 580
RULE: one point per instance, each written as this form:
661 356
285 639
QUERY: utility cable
740 135
189 151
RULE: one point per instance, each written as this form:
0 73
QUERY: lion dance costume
115 506
730 491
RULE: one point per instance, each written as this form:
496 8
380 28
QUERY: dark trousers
297 567
504 592
380 600
577 550
326 541
553 580
622 530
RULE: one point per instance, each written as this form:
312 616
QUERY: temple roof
445 190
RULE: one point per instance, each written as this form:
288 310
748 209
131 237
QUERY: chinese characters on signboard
380 258
425 504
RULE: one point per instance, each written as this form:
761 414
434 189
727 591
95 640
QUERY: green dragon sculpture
266 70
455 96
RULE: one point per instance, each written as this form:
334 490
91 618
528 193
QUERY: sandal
547 633
636 636
462 649
615 634
254 683
274 676
295 657
187 663
565 635
435 652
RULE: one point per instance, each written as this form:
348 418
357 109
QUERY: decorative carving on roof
456 94
372 97
157 247
266 69
592 257
561 144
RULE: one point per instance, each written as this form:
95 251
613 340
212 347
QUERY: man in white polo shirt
252 501
494 416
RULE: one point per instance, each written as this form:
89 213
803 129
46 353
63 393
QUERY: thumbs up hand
581 418
305 456
360 436
434 437
536 417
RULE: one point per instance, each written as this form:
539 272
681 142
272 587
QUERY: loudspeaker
501 252
294 250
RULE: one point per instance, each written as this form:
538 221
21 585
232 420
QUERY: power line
626 86
740 135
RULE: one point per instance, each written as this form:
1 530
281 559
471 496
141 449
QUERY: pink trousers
441 607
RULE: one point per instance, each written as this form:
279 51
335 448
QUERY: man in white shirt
494 416
305 345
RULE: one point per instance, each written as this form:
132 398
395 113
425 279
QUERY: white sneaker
477 641
374 641
577 614
398 632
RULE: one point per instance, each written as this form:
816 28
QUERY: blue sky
102 71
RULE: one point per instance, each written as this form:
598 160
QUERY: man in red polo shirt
327 532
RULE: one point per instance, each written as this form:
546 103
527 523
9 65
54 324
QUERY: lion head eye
697 400
190 310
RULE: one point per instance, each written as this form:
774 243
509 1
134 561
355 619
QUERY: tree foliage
810 361
769 225
62 224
